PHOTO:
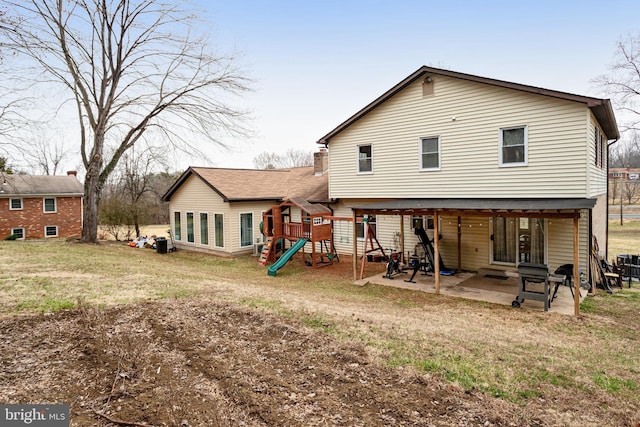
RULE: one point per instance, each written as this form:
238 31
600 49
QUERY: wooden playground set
296 225
314 230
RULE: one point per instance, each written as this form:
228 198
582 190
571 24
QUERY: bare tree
136 184
130 67
266 160
631 191
626 154
46 156
622 83
129 200
292 158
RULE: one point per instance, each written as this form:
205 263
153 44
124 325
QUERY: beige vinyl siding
560 242
197 197
597 174
475 238
469 145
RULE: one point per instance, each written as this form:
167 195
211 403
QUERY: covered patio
505 208
475 286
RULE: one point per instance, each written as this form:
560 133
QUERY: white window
49 204
371 219
246 229
51 231
365 159
18 232
517 240
430 153
418 221
190 228
15 204
513 146
177 228
218 230
204 228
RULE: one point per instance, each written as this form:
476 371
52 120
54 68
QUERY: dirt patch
190 363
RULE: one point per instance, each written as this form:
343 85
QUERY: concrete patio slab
478 287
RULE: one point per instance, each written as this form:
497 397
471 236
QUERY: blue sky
316 63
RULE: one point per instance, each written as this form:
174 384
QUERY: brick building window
15 204
49 204
51 231
18 232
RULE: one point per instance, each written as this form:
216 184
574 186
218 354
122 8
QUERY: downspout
606 232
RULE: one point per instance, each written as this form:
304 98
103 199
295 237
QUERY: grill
530 273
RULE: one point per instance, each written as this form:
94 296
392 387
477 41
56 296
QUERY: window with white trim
49 204
430 153
218 230
51 231
371 219
15 204
204 228
246 229
513 146
419 221
190 228
177 227
365 158
19 232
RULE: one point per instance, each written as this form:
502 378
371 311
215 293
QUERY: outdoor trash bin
161 245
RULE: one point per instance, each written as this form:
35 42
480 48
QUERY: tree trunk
90 210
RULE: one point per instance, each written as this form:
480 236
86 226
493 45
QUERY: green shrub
11 237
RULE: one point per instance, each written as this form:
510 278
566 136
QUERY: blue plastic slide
286 256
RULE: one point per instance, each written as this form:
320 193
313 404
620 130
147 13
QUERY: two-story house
505 172
40 206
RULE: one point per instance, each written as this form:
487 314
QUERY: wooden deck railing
296 230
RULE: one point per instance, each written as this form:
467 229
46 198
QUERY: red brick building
40 206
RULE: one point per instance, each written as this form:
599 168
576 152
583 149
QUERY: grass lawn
624 239
589 363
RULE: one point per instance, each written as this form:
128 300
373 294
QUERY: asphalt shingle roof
255 184
40 185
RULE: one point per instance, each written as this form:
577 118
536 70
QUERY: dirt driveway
185 362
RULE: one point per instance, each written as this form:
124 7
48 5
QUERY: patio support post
365 225
436 249
576 271
459 244
402 238
354 239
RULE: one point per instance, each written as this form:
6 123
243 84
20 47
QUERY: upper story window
365 159
15 204
513 146
430 153
49 204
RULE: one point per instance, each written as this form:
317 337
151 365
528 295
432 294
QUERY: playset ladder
266 251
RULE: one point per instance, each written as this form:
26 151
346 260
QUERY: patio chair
566 270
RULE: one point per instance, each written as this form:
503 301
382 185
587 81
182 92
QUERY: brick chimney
74 173
320 162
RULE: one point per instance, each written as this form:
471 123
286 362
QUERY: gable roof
310 208
236 185
601 108
40 185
